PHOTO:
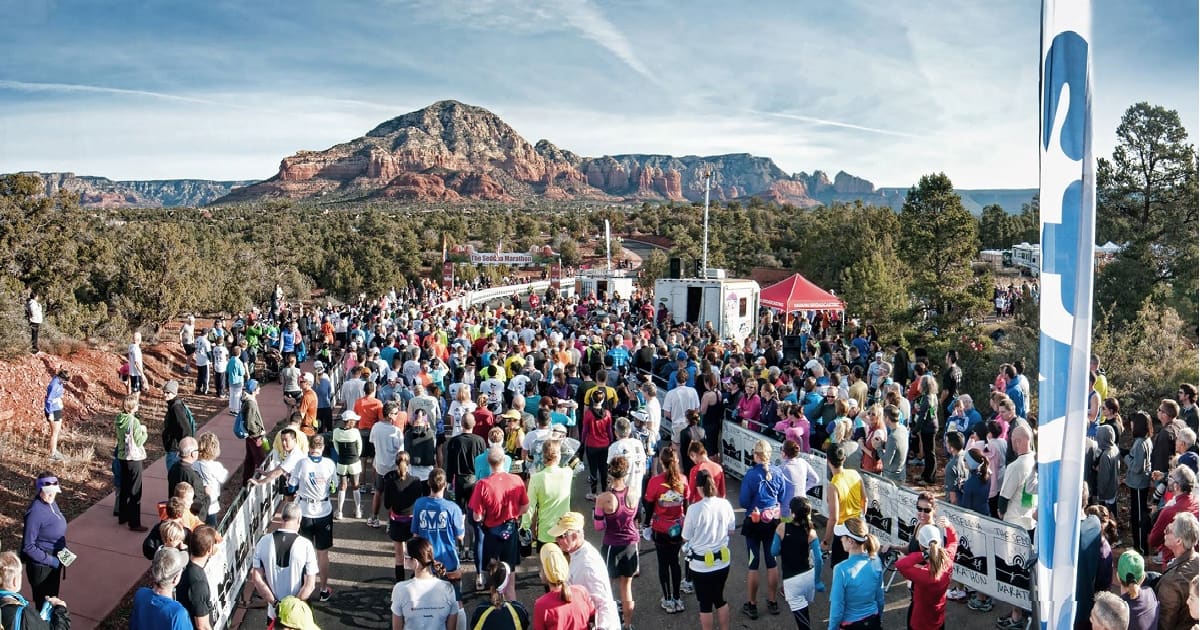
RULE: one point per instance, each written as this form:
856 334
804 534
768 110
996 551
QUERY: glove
646 533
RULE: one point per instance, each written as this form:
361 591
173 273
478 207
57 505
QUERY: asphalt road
361 576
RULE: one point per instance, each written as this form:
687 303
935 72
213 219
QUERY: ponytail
871 546
938 559
564 591
402 463
670 463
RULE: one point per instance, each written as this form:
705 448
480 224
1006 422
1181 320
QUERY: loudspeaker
793 350
676 268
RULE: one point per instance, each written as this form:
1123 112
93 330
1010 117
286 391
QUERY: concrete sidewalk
110 558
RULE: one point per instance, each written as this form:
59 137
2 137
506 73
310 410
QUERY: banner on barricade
993 556
228 569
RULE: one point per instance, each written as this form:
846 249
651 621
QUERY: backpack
191 420
239 425
9 598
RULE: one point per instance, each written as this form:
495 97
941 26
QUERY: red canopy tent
798 294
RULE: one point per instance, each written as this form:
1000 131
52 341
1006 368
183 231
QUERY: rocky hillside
450 151
101 192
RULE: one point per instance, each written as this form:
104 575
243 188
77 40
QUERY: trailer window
742 307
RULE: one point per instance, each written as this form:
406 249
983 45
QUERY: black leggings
597 458
43 581
667 550
710 588
1139 517
129 499
801 617
927 473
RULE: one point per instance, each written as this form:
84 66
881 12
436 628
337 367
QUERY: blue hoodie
54 395
760 492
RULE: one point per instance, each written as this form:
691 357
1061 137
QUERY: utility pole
704 259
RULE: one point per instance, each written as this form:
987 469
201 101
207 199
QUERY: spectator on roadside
1142 602
193 589
1174 586
255 431
154 607
1109 613
185 471
16 612
131 451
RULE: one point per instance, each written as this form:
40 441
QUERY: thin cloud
835 123
26 86
588 19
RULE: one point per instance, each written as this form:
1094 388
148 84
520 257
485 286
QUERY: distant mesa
452 152
101 192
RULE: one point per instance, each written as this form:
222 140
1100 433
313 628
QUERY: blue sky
886 91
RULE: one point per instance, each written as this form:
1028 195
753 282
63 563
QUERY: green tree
874 287
938 241
1147 200
654 266
568 250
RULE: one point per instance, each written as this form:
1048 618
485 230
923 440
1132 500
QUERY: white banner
501 259
227 571
992 555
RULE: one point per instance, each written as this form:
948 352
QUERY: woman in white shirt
427 601
461 406
213 472
706 530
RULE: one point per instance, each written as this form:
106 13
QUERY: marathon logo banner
248 519
993 556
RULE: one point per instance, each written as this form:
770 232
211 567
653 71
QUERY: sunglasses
49 483
927 510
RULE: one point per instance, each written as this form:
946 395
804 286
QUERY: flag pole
1068 225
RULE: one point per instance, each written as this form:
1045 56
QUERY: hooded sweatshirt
126 423
1108 464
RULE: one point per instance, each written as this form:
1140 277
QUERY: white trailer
731 305
605 284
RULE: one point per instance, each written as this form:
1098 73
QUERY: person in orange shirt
369 408
308 405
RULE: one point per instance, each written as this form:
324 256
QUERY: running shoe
678 605
686 587
982 605
337 516
956 594
1008 623
358 513
326 593
750 610
772 607
372 522
667 604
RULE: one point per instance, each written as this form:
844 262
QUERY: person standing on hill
33 313
54 409
137 368
187 339
177 424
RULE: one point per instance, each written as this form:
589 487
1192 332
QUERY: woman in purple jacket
45 535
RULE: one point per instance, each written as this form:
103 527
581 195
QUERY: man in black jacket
177 424
183 471
461 451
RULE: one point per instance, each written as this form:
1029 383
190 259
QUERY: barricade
993 556
248 518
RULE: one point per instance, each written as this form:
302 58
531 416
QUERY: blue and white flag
1068 221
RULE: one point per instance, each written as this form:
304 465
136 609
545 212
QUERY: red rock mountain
450 151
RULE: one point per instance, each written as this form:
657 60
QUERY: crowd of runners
459 431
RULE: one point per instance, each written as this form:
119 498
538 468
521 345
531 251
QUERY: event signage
1068 236
230 566
993 556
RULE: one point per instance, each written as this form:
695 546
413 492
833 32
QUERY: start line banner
228 570
993 556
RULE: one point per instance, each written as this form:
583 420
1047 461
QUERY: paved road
361 569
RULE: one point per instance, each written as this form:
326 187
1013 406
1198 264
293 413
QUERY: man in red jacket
1180 482
497 502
